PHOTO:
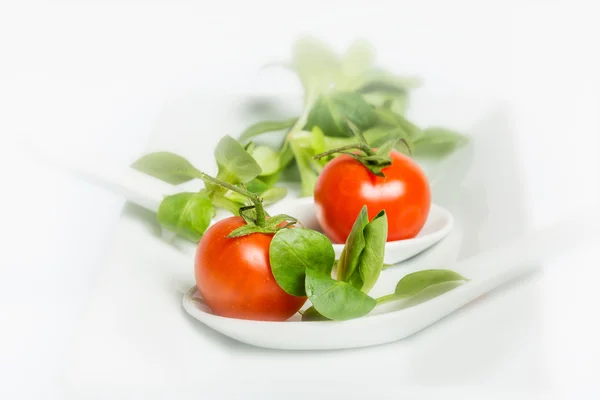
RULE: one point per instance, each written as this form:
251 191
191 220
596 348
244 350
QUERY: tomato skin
345 186
234 275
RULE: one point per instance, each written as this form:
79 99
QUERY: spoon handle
503 264
134 186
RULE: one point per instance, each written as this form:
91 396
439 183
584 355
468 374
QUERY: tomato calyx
375 160
256 218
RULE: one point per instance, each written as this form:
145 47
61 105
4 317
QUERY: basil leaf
336 300
438 142
311 314
371 258
361 260
355 244
416 282
187 214
273 195
267 159
266 126
166 166
331 110
233 159
316 64
293 251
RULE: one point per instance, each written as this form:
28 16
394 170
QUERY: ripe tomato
234 275
345 186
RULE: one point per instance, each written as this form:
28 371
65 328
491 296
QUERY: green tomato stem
260 211
223 202
356 146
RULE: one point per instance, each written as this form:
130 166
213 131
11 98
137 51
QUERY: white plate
438 225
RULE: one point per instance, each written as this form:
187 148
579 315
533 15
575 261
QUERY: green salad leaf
335 299
186 214
361 260
418 282
436 142
166 166
331 111
234 161
293 251
262 127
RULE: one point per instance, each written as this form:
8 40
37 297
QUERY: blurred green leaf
273 195
378 80
316 64
266 126
357 60
438 142
267 159
331 110
166 166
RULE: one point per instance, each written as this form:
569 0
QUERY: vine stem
355 146
260 211
385 299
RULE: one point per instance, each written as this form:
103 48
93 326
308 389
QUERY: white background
93 75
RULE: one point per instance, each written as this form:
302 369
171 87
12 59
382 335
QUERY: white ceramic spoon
148 192
486 270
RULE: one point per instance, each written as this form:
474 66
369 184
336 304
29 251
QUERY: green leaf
186 214
361 260
357 60
378 80
371 258
438 142
389 117
266 126
336 300
256 185
286 155
234 160
279 219
311 314
355 244
397 102
416 282
167 167
303 155
267 159
317 140
292 251
384 149
273 195
331 110
316 64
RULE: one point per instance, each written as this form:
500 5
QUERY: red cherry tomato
345 186
234 275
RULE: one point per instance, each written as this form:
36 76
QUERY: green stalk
260 211
386 299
